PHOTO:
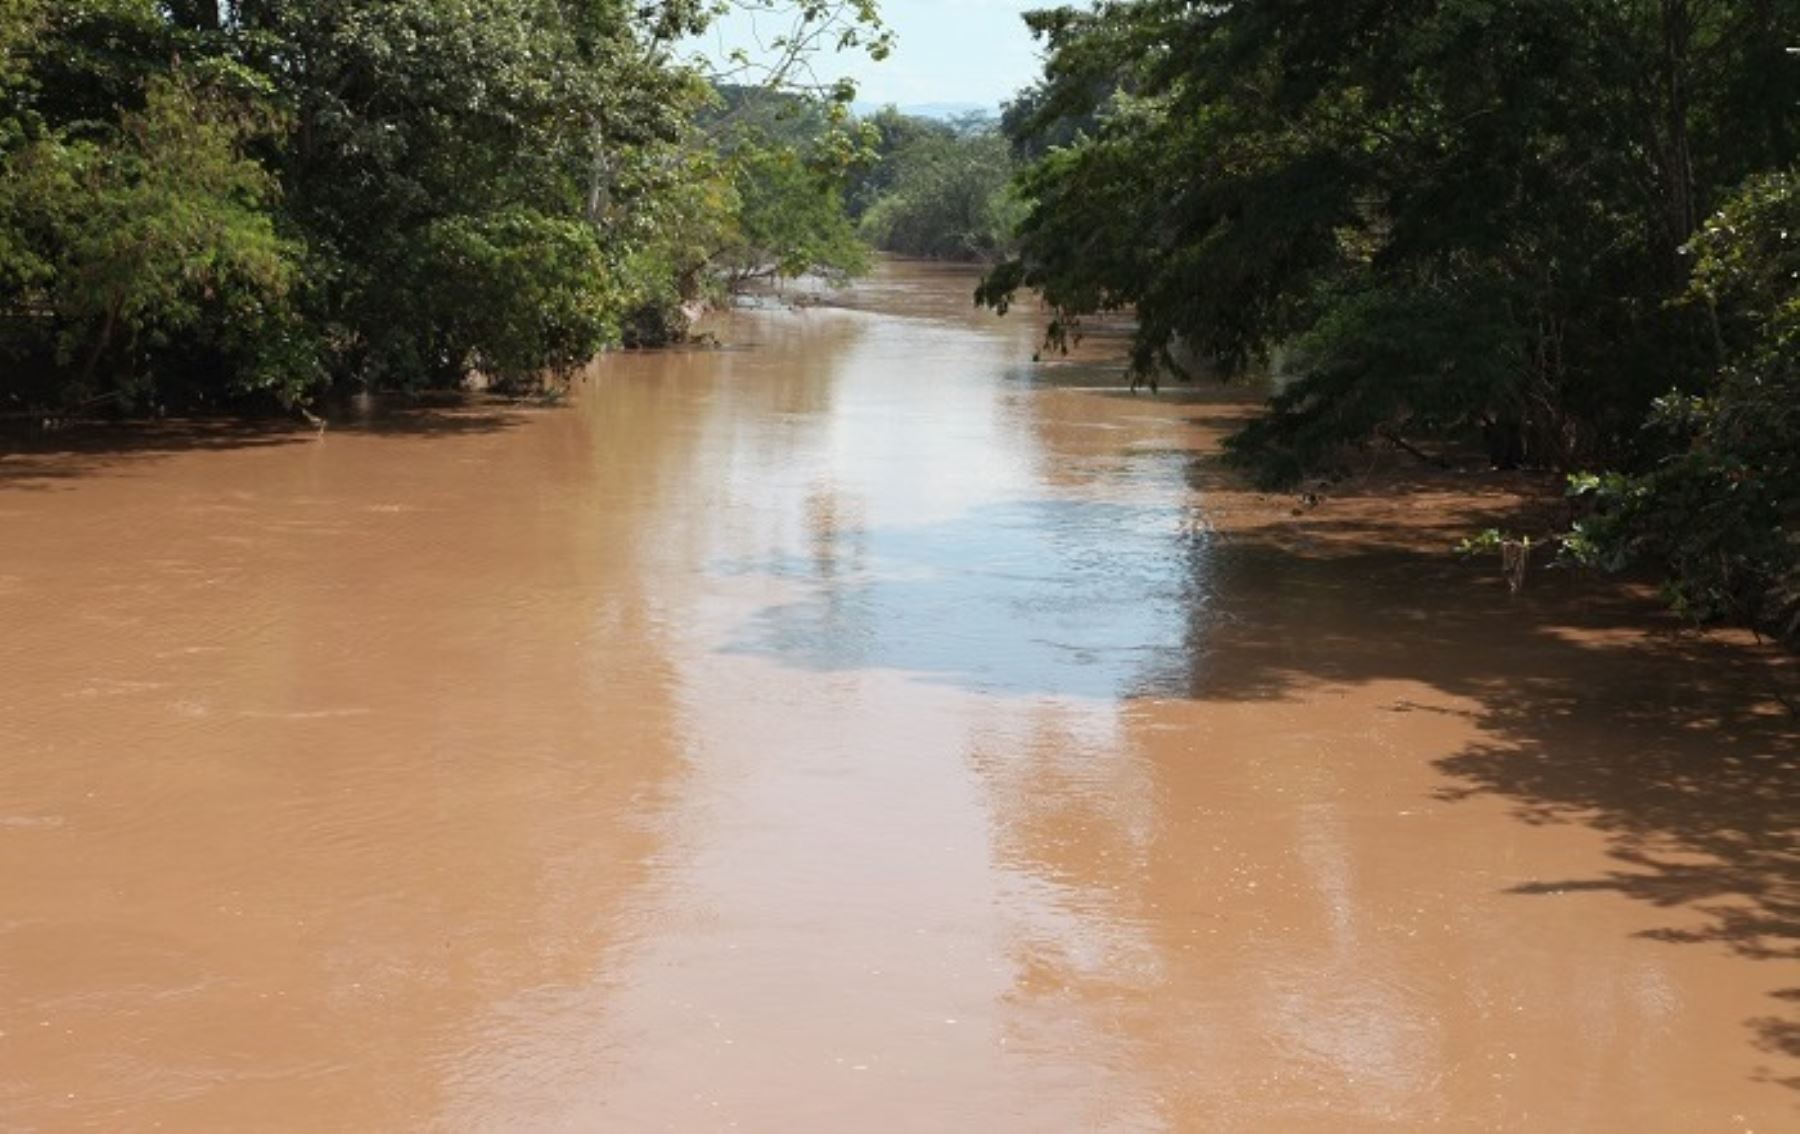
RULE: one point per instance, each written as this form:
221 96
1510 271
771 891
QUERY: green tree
1720 514
791 219
943 193
888 132
138 255
787 157
203 200
1467 214
437 147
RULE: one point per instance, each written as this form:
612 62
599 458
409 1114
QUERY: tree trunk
1680 211
100 344
599 178
195 15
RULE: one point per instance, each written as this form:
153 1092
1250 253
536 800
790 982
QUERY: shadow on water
447 417
42 462
1678 754
88 449
1674 751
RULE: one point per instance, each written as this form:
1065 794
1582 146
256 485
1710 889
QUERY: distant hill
941 111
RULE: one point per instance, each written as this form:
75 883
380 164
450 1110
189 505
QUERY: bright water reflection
1056 596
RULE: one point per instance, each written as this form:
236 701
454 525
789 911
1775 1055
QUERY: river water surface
858 727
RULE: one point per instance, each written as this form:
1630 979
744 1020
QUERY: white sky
975 51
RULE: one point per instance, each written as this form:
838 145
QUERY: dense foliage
937 189
1722 510
209 201
789 158
1472 221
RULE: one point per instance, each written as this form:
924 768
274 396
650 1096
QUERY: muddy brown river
858 727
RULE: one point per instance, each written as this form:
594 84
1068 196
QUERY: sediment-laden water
859 727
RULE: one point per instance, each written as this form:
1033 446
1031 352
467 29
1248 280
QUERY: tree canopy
204 202
938 189
1472 222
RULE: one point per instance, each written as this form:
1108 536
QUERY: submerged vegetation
1474 225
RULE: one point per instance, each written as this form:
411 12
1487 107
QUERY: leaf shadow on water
1673 748
1670 747
83 450
90 449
